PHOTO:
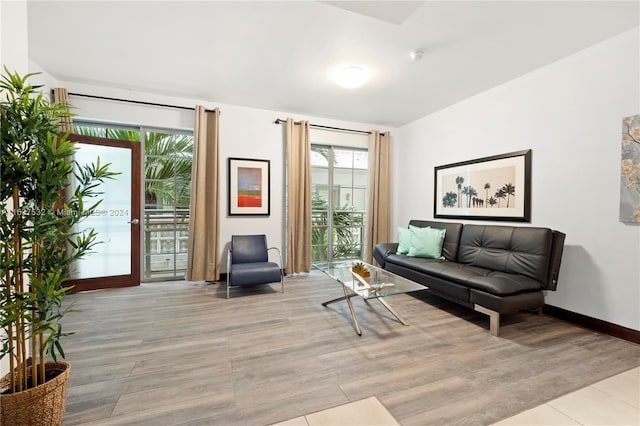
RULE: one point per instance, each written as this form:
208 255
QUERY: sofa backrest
511 249
451 243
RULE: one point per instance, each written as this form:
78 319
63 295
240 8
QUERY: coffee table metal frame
379 284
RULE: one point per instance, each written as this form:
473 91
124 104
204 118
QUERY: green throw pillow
404 244
426 242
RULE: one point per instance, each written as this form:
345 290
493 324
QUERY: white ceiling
281 55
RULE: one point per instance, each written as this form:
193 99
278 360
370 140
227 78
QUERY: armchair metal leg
280 265
228 270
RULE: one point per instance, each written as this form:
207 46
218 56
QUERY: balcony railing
347 240
166 238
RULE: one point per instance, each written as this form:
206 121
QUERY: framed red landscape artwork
248 187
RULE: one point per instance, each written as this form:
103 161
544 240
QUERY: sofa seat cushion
504 284
254 273
440 268
494 282
420 264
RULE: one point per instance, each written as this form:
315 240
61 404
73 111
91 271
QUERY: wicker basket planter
43 405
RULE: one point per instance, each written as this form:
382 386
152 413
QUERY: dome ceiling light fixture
417 54
351 77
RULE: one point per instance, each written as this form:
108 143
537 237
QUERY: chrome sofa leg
494 319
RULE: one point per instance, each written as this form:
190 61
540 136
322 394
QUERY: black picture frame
248 187
489 188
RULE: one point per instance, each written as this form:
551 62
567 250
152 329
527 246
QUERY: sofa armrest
382 251
555 258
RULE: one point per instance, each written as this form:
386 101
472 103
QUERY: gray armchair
248 262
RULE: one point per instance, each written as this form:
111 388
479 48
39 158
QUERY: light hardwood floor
180 353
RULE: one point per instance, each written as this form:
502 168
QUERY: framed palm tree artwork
489 188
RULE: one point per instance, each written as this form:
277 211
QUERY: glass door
115 262
166 179
339 179
168 161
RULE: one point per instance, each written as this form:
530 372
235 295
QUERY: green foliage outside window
347 225
168 161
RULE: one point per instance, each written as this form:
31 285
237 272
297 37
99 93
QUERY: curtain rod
318 126
82 95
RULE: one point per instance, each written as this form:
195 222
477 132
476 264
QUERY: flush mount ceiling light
416 54
351 77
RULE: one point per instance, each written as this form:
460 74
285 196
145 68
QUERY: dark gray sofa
489 268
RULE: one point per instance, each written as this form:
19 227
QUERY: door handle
134 221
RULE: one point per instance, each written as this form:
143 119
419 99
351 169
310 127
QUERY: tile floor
366 412
613 401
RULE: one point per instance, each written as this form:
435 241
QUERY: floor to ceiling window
167 185
339 178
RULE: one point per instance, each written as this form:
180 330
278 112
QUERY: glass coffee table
378 285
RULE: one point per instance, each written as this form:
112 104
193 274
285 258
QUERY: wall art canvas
490 188
629 172
248 187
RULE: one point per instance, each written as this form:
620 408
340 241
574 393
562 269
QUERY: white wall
570 115
244 132
13 55
13 39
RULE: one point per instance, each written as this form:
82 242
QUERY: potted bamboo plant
39 208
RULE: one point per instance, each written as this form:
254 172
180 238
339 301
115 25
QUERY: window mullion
330 204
